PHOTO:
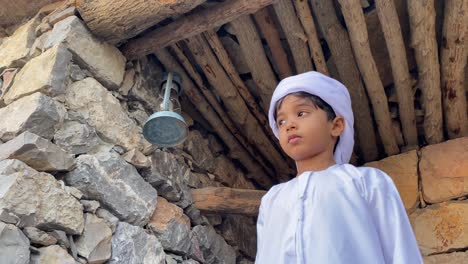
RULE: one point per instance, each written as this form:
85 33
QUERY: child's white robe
343 214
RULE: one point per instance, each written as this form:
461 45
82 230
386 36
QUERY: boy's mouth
293 139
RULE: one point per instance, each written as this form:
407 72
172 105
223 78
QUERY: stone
36 152
109 218
15 49
47 73
39 200
214 219
8 167
90 206
195 251
170 260
74 192
37 236
441 227
77 74
190 261
171 227
137 159
132 245
198 148
36 113
237 230
128 82
52 255
103 61
213 246
8 75
8 217
77 138
169 175
444 170
451 258
104 112
225 171
61 238
403 169
14 245
195 216
109 179
56 17
95 242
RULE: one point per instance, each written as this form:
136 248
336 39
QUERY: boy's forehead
294 100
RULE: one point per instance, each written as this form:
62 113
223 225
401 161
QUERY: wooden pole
305 15
255 58
453 63
423 41
354 18
272 38
191 25
342 54
222 200
397 52
236 151
295 35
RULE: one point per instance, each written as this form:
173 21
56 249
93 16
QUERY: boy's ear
337 126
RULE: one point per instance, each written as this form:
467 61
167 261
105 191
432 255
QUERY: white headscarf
329 90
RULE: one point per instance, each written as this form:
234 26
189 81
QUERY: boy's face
304 130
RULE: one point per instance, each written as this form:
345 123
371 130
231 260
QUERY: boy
332 212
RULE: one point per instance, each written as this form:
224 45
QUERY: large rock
215 249
14 245
444 170
198 148
451 258
37 199
442 227
47 73
15 49
237 230
95 242
403 169
104 61
113 182
37 152
132 245
36 113
169 175
77 138
104 112
37 236
171 227
52 255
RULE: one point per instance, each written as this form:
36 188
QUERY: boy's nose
290 125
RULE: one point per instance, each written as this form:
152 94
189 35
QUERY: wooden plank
423 41
396 48
224 200
354 18
345 64
295 35
236 151
191 25
453 62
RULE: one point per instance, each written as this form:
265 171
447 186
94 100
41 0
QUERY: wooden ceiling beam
191 25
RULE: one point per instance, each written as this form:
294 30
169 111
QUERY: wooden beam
256 59
396 48
340 47
118 20
211 98
191 25
354 18
236 151
423 40
272 38
223 200
235 105
295 35
453 62
305 15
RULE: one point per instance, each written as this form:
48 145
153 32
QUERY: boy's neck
316 163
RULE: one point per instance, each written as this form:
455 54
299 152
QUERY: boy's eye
301 113
280 122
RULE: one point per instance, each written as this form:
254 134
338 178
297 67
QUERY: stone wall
78 182
433 185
